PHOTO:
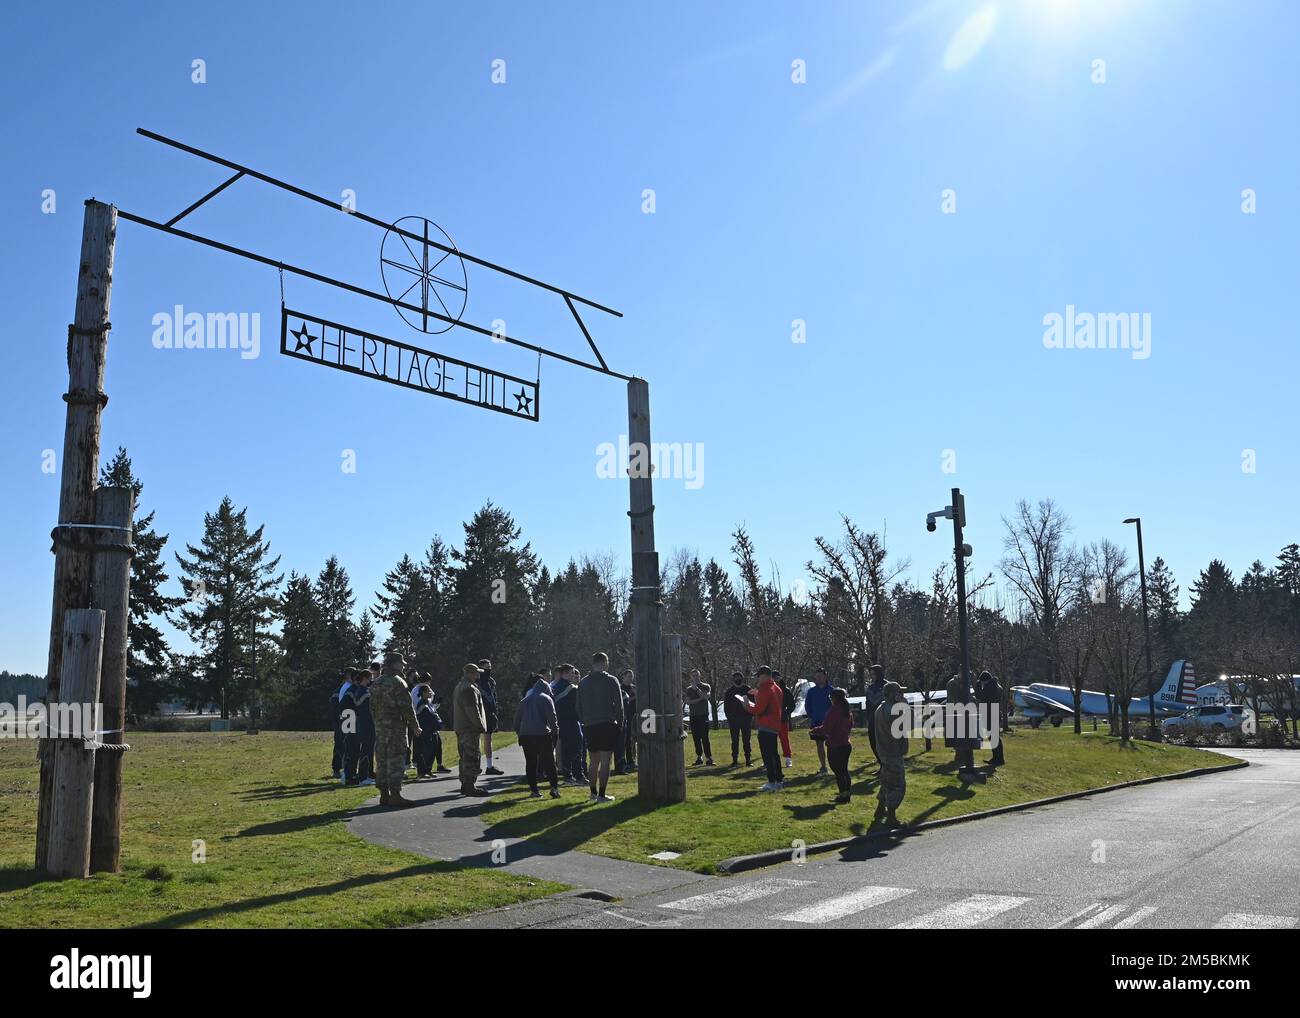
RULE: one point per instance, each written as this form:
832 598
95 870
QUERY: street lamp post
1146 627
961 551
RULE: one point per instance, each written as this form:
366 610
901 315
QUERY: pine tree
364 645
434 607
1211 622
1166 619
491 594
231 587
335 601
400 604
148 656
300 624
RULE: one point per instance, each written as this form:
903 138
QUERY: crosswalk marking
734 895
1247 921
845 905
1102 918
1135 918
1077 915
965 913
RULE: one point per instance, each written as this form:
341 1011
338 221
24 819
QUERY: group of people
577 729
580 729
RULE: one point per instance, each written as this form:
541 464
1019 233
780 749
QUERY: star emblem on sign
525 403
303 337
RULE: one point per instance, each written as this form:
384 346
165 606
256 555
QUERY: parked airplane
1230 689
1055 703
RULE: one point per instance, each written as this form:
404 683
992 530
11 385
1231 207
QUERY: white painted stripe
965 913
1102 918
1077 915
845 905
1135 918
1247 921
734 895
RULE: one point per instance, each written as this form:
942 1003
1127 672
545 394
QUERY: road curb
741 863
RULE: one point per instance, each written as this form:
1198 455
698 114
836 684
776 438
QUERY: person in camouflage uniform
390 703
470 722
891 747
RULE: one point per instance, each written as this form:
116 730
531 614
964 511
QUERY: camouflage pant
469 745
390 759
893 782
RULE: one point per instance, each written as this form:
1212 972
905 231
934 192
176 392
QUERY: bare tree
1038 565
854 580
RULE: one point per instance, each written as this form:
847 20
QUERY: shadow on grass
301 894
263 793
17 878
563 826
292 825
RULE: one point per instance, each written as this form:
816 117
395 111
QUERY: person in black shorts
600 709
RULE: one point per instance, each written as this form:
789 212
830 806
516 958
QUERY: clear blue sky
775 201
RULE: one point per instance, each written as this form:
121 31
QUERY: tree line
1056 610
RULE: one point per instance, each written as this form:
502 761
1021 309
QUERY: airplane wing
936 696
1033 702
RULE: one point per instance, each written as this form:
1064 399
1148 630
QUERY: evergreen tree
401 604
434 607
364 645
1211 622
147 651
300 624
1166 619
335 602
230 584
491 596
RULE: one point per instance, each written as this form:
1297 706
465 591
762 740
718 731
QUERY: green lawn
278 854
724 815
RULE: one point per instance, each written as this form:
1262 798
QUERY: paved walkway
1213 851
448 827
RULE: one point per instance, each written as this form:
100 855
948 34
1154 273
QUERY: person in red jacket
766 708
835 729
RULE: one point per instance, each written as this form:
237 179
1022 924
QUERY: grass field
278 854
724 816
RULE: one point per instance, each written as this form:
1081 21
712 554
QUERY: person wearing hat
891 747
394 718
470 722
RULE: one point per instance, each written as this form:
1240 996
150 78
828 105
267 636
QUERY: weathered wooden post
659 691
674 778
110 591
87 350
72 765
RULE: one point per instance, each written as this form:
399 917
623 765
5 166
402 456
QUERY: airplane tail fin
1179 688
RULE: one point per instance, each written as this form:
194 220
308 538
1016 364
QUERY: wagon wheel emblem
418 271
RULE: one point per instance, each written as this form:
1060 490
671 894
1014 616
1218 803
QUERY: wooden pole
87 350
656 747
72 765
110 591
674 746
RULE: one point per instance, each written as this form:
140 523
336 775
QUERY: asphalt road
1213 851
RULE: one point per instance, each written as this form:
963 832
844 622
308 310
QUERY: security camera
929 523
